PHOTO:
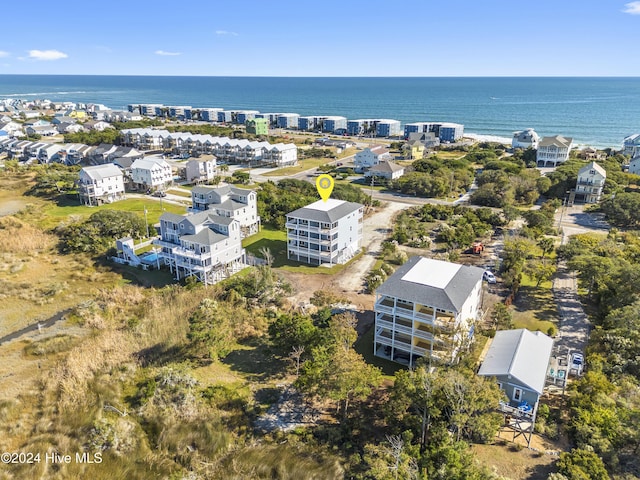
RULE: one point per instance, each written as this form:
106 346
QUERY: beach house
100 184
450 132
202 245
591 179
334 124
370 156
385 171
427 308
228 201
151 173
258 126
280 154
519 362
325 233
200 169
553 150
525 139
631 145
288 120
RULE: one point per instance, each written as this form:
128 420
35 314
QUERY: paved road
574 324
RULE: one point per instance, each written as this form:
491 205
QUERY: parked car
489 277
577 362
159 193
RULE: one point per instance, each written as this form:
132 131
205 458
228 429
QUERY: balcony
186 252
423 333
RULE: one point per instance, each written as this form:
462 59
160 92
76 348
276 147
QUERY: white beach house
101 184
325 232
427 308
151 173
553 150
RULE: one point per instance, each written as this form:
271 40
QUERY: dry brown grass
514 464
72 376
18 237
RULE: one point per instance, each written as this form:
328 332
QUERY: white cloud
225 32
167 54
46 55
3 54
632 8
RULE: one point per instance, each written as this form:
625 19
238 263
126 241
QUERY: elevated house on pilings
202 245
519 361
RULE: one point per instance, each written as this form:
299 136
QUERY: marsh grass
52 345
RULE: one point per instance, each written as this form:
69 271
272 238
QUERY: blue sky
322 38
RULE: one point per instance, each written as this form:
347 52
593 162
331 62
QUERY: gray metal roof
386 167
327 216
521 354
222 190
205 237
451 297
99 172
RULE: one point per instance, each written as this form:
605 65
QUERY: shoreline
481 137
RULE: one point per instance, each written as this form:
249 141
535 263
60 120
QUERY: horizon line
309 76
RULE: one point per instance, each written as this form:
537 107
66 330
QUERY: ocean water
594 111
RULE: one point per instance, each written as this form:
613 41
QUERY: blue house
388 128
451 132
421 127
180 112
309 123
243 115
288 120
272 118
209 114
334 123
224 116
519 361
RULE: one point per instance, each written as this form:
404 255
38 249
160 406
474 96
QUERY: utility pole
146 222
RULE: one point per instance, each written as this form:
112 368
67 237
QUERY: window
517 394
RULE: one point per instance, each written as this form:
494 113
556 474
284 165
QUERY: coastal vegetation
176 381
275 201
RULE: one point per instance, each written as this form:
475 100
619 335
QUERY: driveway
574 328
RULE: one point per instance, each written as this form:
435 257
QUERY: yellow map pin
324 184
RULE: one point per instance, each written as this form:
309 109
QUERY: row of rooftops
186 137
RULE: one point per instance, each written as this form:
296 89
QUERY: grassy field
276 242
303 165
179 193
535 308
55 213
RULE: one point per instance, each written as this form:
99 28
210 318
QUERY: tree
336 370
547 245
296 355
100 230
54 179
210 331
240 177
288 332
501 317
581 464
540 271
623 209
